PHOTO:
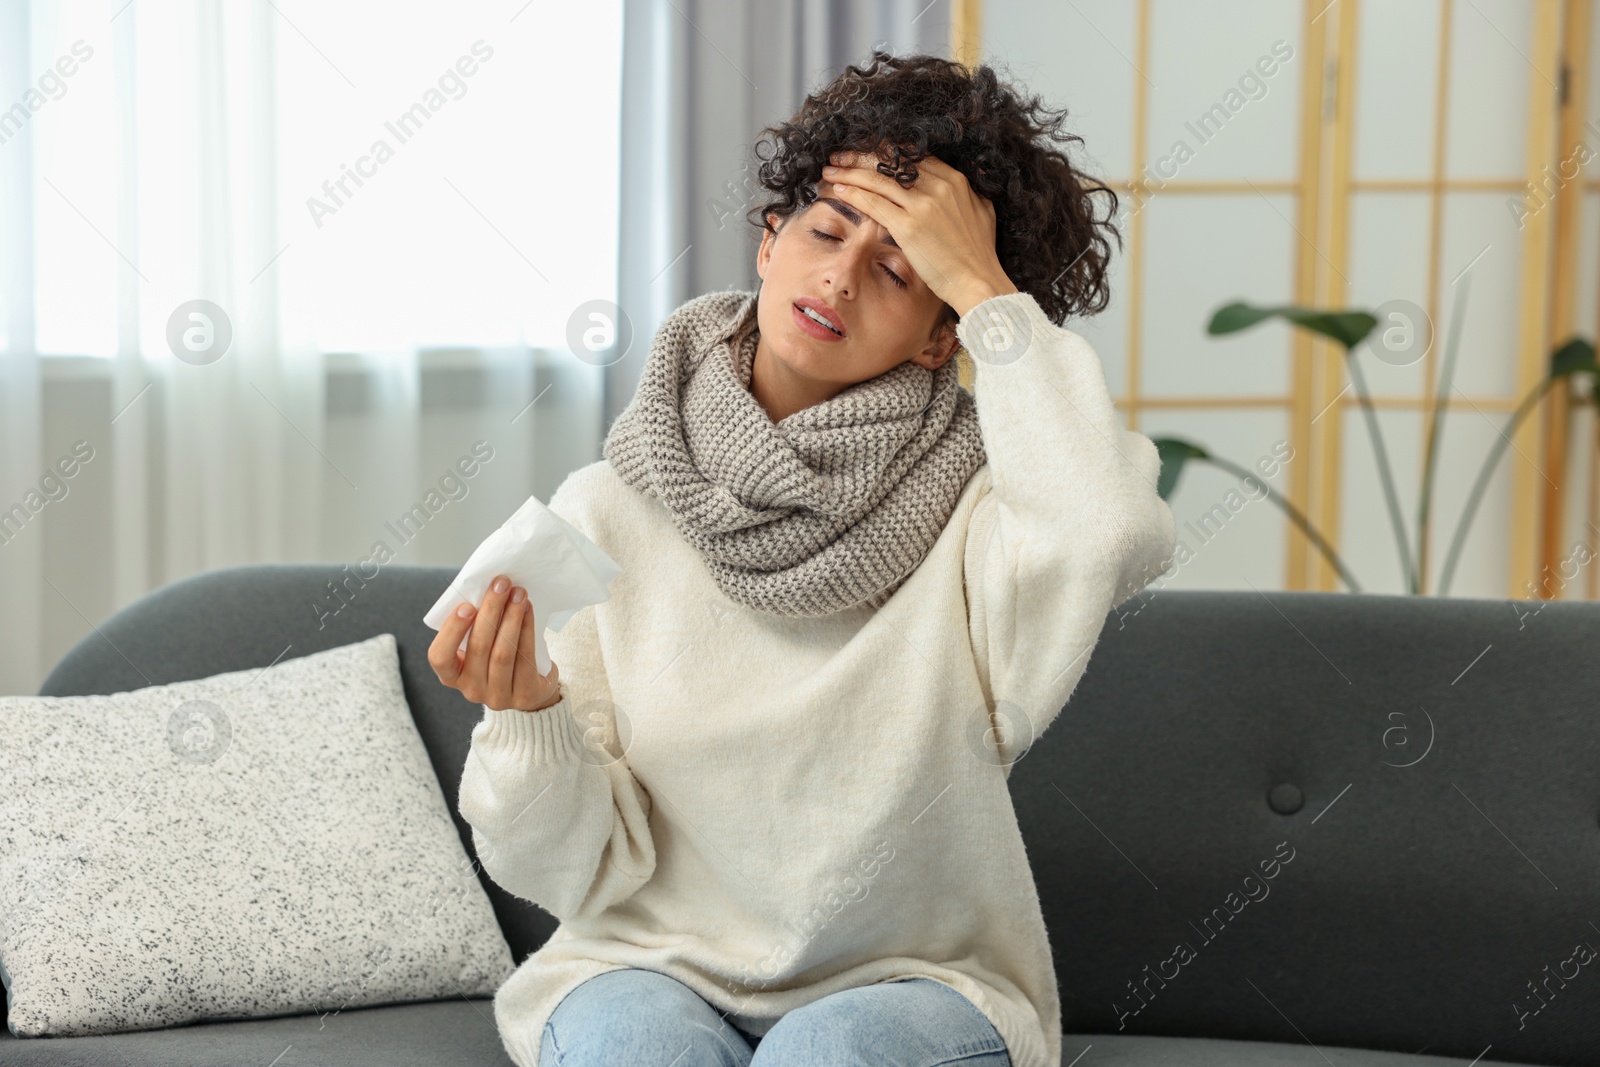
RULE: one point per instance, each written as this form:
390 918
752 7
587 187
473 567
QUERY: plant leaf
1234 317
1574 357
1349 328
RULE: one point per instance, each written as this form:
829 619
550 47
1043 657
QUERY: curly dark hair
1049 237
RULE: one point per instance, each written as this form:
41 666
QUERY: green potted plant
1350 328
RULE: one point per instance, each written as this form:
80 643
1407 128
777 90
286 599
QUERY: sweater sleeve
557 815
1070 525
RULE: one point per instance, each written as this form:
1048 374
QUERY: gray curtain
700 79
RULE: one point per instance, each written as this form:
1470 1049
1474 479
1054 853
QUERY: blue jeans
636 1016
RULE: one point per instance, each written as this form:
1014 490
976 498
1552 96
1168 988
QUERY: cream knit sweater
773 809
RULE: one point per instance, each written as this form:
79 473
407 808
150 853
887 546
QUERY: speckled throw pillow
262 842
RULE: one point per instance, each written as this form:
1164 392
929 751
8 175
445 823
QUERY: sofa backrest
1420 777
1364 821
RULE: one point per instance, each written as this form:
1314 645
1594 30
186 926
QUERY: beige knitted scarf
829 508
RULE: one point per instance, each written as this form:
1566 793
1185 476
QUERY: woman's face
833 256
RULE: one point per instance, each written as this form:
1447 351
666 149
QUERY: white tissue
562 570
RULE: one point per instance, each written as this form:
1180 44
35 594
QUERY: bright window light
444 179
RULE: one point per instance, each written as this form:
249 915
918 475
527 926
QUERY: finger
484 628
880 208
503 655
528 687
931 170
443 654
870 180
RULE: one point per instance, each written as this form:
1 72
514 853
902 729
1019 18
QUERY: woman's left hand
945 229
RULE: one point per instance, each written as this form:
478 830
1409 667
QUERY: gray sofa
1419 777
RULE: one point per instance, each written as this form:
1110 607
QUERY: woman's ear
940 349
764 253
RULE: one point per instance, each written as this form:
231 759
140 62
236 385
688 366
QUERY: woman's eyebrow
855 217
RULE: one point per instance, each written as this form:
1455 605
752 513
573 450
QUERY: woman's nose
846 267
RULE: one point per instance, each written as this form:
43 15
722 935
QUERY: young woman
765 790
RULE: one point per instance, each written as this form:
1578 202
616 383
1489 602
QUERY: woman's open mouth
814 325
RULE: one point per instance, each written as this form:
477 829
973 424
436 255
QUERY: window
448 178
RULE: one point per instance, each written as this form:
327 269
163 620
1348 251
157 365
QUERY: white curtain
166 156
21 556
208 458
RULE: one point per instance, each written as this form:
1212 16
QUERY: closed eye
821 236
